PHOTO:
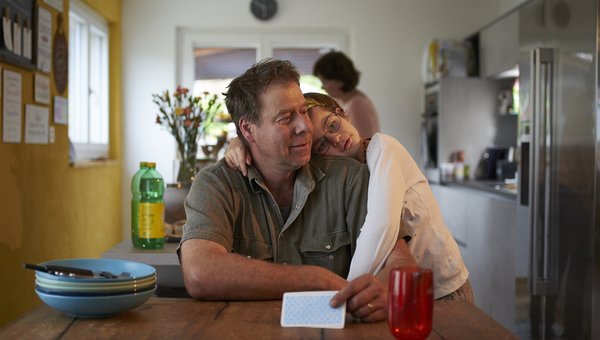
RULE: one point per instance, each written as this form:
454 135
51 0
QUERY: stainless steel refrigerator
559 189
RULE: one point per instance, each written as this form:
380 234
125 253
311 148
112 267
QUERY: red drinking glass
410 302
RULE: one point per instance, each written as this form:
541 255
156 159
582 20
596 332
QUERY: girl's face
333 134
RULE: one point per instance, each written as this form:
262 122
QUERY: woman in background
339 79
398 193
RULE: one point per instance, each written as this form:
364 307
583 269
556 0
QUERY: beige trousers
464 293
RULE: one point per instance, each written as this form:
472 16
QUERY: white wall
508 5
386 42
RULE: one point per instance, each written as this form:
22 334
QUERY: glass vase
187 165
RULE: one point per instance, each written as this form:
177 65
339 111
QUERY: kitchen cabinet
484 226
499 46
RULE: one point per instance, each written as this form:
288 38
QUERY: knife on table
60 270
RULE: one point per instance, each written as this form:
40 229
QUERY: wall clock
263 9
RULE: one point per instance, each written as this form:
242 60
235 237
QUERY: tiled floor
522 309
522 301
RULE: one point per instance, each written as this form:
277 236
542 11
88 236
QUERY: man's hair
337 66
243 95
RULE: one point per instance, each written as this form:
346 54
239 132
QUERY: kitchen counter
169 278
499 188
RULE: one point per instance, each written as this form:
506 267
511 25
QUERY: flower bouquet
186 117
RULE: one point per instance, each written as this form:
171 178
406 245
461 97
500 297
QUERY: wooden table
167 318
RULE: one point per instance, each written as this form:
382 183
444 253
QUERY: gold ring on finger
371 307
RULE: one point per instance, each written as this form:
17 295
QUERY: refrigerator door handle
540 190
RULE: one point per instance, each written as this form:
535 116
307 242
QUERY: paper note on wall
27 41
36 124
16 37
6 33
41 92
11 107
61 110
44 40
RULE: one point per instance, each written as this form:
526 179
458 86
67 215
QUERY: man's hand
365 297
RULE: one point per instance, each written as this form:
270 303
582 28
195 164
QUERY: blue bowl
94 293
95 306
136 269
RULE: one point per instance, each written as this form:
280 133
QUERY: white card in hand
311 309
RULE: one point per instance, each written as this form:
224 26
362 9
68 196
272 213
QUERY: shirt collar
307 176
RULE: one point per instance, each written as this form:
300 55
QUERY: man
292 224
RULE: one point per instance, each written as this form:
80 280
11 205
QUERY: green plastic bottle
135 204
151 231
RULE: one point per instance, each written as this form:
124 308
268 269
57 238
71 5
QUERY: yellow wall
48 209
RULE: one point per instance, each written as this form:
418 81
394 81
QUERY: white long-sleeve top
399 193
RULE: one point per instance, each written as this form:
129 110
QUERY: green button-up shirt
328 210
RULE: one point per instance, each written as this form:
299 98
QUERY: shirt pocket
332 251
255 249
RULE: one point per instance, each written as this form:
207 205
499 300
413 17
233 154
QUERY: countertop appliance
559 183
491 157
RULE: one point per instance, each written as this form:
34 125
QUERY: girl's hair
318 99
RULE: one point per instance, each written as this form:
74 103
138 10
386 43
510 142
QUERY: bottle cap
151 164
143 164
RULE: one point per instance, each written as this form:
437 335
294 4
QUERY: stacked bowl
114 286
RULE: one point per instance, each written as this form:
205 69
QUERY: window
214 68
209 60
88 82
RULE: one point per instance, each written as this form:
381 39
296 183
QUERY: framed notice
17 27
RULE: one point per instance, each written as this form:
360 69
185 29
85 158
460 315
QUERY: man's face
282 139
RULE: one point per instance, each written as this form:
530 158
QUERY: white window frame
264 41
88 126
